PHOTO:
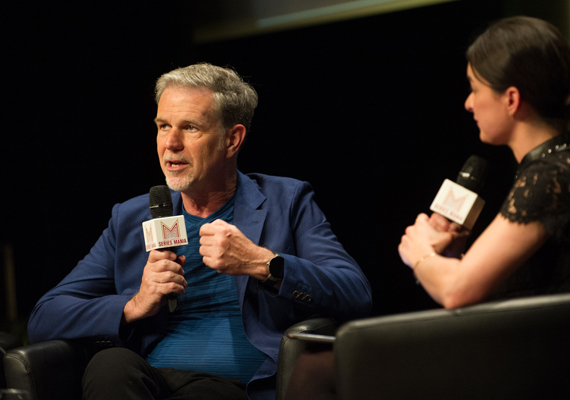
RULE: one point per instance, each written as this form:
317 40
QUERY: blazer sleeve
320 277
88 303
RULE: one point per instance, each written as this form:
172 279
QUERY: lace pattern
542 193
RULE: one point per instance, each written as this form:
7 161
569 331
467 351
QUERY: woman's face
489 110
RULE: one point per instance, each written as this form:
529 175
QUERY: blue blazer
277 213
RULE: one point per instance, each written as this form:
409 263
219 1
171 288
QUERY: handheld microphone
473 174
459 201
164 231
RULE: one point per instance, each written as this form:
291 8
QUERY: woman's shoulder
541 191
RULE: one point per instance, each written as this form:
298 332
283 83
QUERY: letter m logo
148 234
452 202
170 232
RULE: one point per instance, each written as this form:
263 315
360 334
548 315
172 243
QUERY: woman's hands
459 235
429 235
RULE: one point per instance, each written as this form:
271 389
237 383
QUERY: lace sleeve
542 193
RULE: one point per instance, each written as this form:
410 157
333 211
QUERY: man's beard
181 180
179 183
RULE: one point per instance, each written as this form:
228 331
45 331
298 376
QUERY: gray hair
234 99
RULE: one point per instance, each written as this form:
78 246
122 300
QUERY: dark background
370 111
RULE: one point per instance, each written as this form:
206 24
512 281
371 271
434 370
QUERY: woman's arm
452 282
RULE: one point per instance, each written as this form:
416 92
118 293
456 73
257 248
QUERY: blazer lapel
248 218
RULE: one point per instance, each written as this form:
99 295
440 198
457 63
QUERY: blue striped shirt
205 333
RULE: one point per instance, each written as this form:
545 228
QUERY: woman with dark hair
519 72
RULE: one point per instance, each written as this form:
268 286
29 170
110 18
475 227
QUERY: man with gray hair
260 257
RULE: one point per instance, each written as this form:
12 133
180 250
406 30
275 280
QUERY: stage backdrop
369 111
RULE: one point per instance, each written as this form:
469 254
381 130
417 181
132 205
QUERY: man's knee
113 361
119 373
114 364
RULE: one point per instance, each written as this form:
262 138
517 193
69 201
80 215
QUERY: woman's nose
469 102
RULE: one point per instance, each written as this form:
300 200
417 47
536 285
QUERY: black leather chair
7 341
53 370
290 349
512 349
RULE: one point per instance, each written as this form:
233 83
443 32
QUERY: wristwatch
275 266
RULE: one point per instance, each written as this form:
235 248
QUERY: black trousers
120 374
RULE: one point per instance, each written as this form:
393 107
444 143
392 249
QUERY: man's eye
192 128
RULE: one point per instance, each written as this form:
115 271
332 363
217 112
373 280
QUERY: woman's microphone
458 201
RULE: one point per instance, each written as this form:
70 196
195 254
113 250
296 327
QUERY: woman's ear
512 100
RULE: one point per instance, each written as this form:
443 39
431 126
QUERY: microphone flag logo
148 235
457 204
166 232
170 232
454 203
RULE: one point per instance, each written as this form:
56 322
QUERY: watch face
276 266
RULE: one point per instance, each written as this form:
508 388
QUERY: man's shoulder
135 202
273 191
134 209
264 180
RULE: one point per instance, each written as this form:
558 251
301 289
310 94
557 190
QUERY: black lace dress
542 193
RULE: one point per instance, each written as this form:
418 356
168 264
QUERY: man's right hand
163 274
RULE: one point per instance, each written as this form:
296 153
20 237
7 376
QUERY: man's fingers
157 255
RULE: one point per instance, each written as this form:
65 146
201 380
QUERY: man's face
189 140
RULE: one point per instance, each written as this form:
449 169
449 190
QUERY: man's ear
234 139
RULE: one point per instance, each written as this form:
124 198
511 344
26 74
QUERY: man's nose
174 140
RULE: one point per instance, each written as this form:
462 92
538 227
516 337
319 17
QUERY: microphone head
473 174
160 201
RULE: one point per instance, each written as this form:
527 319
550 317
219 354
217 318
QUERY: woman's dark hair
531 55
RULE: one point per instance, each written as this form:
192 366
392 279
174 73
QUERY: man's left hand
227 250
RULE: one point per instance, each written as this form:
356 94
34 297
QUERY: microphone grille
473 174
160 201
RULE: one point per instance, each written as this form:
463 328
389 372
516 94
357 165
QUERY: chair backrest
512 349
290 349
7 342
49 370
